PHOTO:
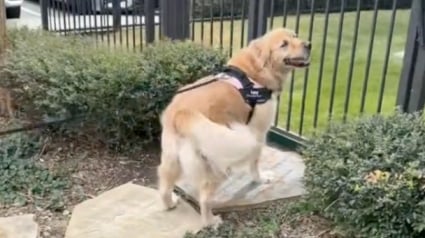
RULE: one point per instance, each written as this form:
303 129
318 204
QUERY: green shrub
368 176
21 180
121 92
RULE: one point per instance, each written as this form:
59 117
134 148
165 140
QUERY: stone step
284 169
23 226
131 210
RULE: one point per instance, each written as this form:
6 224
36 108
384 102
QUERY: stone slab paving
23 226
285 170
135 211
131 211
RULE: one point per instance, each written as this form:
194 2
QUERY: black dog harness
251 93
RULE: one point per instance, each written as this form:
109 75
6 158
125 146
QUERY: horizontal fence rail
358 52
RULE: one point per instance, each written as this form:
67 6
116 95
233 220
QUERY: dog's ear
260 50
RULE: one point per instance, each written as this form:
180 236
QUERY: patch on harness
257 95
252 95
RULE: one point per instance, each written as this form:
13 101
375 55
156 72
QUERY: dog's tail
213 140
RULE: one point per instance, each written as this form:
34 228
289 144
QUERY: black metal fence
368 55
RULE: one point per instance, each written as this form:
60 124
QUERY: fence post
44 14
252 20
116 14
257 18
175 19
411 92
150 20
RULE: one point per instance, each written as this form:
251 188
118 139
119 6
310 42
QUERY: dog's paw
175 200
265 177
214 222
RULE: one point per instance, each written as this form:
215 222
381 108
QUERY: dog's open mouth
297 62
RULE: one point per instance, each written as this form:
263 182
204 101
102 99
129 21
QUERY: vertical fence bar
55 14
93 9
202 20
271 13
232 16
150 20
68 13
127 24
387 56
102 6
243 16
192 9
44 14
85 11
353 56
77 5
96 27
285 12
159 18
73 6
306 75
121 24
50 12
141 25
336 63
133 25
411 93
64 12
369 57
292 83
211 24
221 22
322 60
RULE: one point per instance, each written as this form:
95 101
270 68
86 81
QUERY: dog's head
270 58
282 50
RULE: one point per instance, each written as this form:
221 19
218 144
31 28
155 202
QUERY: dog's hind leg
169 171
207 189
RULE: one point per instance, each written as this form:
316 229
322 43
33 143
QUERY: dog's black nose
307 45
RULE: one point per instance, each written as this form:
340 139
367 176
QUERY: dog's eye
284 44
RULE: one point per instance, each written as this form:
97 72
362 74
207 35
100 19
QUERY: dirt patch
91 170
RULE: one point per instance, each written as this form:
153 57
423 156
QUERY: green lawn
376 64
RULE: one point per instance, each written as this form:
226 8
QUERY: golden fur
204 130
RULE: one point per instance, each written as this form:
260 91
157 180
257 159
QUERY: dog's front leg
254 168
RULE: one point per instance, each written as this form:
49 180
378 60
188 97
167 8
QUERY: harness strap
197 85
251 94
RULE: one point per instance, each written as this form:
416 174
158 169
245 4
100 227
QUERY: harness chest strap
251 92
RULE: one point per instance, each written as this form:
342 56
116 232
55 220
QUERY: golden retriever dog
210 128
